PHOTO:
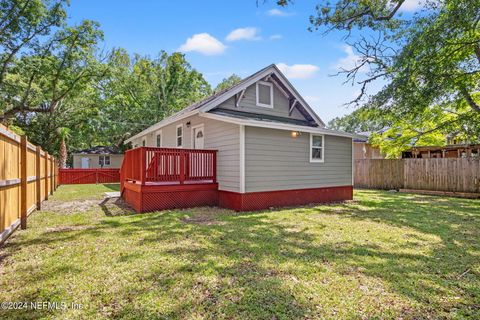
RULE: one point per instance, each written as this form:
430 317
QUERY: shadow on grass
238 251
112 186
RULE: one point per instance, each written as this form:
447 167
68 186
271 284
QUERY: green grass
383 256
84 191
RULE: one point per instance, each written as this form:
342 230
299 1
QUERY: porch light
295 134
188 124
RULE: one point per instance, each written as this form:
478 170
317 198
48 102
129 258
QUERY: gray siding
249 104
276 161
221 136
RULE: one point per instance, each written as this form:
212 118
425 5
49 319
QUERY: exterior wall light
295 134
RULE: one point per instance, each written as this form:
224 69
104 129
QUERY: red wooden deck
164 178
159 178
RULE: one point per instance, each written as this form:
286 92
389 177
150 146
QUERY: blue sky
224 37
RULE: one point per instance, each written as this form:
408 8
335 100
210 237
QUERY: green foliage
360 120
429 59
228 82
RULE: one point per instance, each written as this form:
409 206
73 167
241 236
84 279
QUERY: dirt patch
70 206
116 207
206 216
67 228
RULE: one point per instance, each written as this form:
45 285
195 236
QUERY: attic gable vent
264 94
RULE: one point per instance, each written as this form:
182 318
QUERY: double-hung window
317 148
103 161
179 136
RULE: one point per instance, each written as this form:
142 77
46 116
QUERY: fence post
38 180
52 159
46 175
23 182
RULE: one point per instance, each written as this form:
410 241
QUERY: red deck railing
169 165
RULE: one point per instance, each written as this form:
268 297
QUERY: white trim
353 163
242 158
159 132
163 123
274 125
227 95
177 136
323 148
201 125
268 84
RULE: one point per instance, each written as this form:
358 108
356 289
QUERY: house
448 151
269 149
363 150
97 157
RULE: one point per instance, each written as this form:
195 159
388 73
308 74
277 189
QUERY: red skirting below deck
161 197
285 198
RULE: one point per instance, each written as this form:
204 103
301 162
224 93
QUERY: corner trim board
242 158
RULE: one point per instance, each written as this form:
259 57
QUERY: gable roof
217 98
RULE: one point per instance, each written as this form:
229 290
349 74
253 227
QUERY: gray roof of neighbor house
99 150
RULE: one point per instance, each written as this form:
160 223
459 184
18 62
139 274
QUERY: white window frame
269 84
101 161
311 147
159 132
178 136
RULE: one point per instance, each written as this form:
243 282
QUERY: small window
159 139
103 161
264 94
180 135
317 148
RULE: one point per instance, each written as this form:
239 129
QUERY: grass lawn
384 255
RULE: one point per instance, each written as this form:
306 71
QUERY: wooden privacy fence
83 176
27 177
448 175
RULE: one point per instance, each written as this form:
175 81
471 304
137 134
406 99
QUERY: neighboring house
364 150
273 149
449 151
97 157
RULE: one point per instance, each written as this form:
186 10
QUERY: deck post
214 164
182 167
143 166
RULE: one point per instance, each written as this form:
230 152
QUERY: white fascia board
227 95
273 125
162 124
215 102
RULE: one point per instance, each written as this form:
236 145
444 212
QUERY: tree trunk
63 154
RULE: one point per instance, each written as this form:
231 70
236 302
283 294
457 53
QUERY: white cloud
278 13
298 71
350 61
248 33
276 37
203 43
412 5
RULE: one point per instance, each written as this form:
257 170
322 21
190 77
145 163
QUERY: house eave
280 126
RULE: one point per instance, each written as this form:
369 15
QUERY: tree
360 120
140 91
63 134
428 59
228 82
